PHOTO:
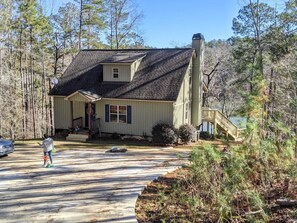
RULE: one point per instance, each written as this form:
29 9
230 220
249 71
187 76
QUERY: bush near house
187 133
205 135
164 133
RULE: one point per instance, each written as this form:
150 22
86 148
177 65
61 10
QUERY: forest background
252 74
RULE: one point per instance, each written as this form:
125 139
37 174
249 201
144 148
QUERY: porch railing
95 126
77 122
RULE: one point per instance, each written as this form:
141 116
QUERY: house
129 91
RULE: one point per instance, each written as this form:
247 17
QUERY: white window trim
113 73
118 114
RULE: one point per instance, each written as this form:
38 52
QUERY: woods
256 67
252 74
35 47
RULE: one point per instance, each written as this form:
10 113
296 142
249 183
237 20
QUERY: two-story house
129 91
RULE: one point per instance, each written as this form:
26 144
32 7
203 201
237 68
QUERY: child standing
48 146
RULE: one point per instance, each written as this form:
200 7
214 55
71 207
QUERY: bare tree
123 20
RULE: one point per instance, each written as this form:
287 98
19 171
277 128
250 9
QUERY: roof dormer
121 67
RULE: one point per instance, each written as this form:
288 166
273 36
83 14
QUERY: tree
25 58
66 39
261 48
123 20
91 23
6 77
220 78
252 24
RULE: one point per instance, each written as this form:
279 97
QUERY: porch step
77 137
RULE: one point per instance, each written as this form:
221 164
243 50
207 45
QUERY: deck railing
218 118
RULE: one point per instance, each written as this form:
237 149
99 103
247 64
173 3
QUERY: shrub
187 133
115 135
205 135
164 133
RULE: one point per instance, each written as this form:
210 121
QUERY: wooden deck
219 120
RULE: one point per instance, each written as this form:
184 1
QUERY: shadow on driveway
83 186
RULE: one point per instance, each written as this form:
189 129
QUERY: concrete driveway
85 185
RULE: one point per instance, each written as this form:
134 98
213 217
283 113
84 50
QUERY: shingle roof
159 76
127 57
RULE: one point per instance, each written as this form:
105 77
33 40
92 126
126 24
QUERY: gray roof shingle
159 76
123 58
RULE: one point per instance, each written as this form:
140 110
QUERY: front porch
87 124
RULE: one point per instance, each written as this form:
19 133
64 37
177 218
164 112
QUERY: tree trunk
80 25
22 86
32 85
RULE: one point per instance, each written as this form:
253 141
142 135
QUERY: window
115 72
187 109
113 113
118 113
190 75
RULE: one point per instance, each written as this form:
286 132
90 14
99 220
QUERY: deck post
215 124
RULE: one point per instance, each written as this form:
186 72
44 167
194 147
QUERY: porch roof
84 96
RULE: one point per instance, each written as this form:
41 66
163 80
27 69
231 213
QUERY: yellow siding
124 72
184 97
79 111
145 114
78 97
62 113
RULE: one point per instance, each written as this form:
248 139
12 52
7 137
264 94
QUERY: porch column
89 108
71 113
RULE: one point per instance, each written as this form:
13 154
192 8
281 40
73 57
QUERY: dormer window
115 72
121 66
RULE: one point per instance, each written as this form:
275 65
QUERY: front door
93 113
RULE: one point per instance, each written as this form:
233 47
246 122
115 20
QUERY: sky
170 23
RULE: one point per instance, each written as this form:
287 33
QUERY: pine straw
160 202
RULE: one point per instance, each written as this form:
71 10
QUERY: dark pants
49 153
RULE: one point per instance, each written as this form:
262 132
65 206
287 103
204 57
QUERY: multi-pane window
113 113
118 113
115 72
122 114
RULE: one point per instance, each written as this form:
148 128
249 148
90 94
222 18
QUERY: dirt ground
85 185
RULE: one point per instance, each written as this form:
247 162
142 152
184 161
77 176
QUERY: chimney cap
198 36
